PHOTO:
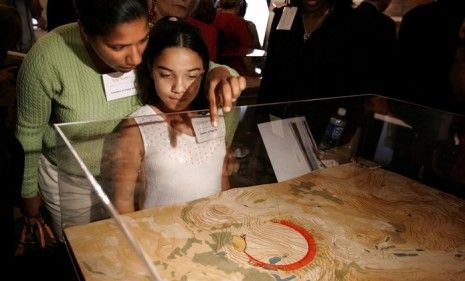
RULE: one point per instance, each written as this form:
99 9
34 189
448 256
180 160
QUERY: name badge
287 18
119 85
204 130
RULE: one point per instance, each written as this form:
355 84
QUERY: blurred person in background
11 152
203 17
175 8
316 48
457 75
381 44
428 43
10 32
458 85
60 12
234 37
252 27
27 9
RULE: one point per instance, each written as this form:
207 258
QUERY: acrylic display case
256 198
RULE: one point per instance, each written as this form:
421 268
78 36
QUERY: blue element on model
278 278
275 260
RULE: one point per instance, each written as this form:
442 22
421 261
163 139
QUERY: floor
52 265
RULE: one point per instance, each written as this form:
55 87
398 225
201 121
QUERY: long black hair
100 17
168 33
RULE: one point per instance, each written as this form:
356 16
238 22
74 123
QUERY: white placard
119 85
287 18
290 147
205 131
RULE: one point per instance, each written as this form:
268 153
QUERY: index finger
213 104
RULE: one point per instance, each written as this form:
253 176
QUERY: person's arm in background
457 74
7 74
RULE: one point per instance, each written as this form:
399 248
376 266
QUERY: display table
348 222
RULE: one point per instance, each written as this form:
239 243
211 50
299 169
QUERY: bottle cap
341 111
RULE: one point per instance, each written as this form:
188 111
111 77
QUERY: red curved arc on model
311 250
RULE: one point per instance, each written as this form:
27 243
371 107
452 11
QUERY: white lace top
186 172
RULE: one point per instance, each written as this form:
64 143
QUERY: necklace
308 34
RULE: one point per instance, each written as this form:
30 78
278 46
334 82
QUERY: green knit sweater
59 83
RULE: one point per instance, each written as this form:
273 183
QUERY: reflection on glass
247 149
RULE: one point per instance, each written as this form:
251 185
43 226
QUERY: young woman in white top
161 151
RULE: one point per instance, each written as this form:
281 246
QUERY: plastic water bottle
334 130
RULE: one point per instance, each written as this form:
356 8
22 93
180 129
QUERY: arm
126 164
224 86
230 166
7 75
34 107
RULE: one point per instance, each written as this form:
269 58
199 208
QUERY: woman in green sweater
62 80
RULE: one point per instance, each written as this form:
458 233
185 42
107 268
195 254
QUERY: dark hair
205 11
242 9
230 4
168 33
336 3
100 17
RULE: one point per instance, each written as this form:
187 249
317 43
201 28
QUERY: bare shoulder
129 126
129 136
